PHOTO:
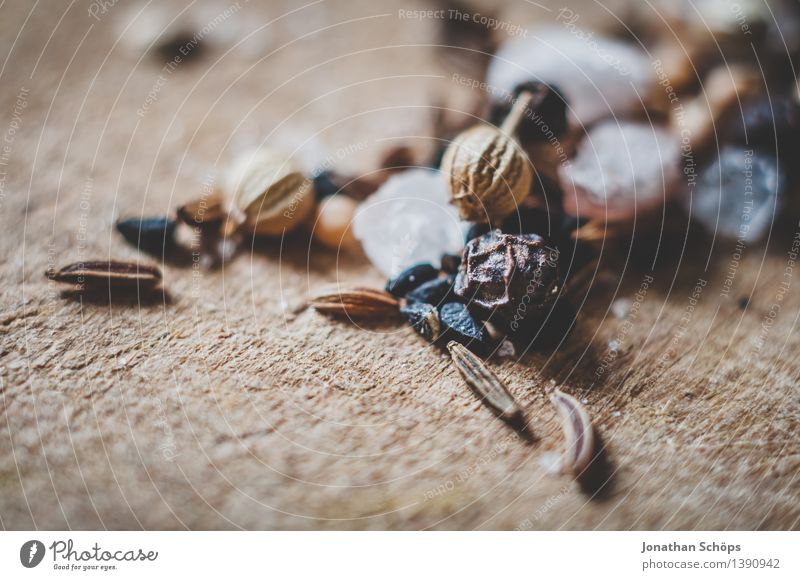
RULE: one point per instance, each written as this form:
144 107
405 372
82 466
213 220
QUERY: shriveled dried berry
458 324
410 278
450 263
436 291
155 235
556 227
547 112
508 279
424 318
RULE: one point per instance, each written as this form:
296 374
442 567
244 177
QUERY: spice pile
481 243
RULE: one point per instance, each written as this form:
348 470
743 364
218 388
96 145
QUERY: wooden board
223 408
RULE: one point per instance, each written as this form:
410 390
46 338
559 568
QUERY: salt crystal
620 308
738 194
407 221
551 462
599 76
620 169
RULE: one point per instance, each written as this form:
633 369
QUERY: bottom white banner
354 555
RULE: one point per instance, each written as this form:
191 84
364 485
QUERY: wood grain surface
224 406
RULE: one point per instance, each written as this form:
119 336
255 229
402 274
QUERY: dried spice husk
578 432
355 303
94 275
268 194
485 384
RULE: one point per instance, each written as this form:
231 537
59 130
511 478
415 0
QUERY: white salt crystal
739 194
599 76
621 168
407 221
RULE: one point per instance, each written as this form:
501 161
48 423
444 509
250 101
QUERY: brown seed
99 274
202 211
578 432
355 303
484 383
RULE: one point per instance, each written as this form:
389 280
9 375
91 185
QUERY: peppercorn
154 235
547 111
508 279
436 291
458 324
410 278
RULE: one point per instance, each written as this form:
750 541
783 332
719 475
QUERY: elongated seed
484 383
355 302
94 274
578 431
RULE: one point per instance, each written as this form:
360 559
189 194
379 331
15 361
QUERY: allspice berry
509 279
269 194
487 172
333 222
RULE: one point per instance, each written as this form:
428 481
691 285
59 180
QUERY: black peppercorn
547 114
436 291
458 324
410 278
152 235
509 279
